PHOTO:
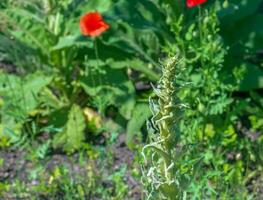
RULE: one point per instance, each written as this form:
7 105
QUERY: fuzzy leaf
72 138
140 114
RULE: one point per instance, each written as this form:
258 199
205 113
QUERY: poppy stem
200 30
99 73
96 52
97 59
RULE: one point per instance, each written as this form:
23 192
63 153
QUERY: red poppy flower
92 24
192 3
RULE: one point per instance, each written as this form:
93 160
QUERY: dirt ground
16 166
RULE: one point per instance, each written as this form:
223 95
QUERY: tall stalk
164 174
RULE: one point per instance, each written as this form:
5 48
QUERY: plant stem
98 70
96 52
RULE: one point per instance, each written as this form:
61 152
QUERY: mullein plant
164 175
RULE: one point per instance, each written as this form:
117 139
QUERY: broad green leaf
73 136
59 117
110 87
244 33
8 83
140 14
75 128
140 114
253 78
30 27
21 94
137 65
237 10
49 99
70 41
33 84
65 42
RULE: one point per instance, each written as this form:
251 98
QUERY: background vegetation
75 113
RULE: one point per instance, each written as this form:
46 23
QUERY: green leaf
30 27
21 95
59 117
141 15
73 136
100 6
110 87
135 64
246 32
7 83
49 99
237 10
70 41
140 114
253 78
65 42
